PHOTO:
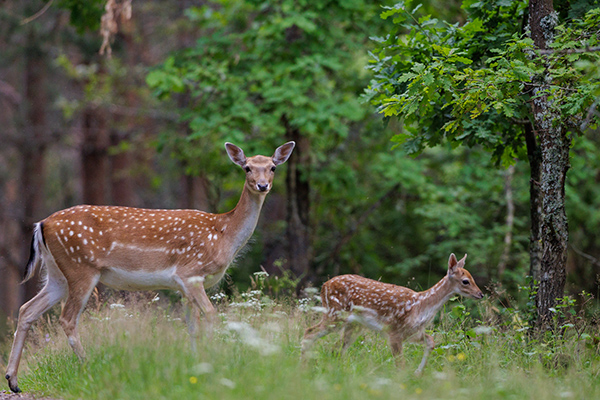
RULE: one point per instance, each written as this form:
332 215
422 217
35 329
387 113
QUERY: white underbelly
122 279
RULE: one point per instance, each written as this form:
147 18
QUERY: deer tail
35 256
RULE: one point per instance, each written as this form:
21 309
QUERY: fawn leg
350 334
324 327
395 341
429 345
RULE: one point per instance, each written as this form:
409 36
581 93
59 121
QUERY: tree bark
33 148
94 156
122 192
554 147
298 210
535 204
510 221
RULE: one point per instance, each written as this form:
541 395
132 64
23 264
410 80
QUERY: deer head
260 170
461 279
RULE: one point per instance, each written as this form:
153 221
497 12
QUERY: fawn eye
247 169
465 282
273 168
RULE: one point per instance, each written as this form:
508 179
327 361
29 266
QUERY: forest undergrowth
139 348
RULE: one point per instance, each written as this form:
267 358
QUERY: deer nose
262 187
479 295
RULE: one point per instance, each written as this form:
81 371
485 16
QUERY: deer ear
236 154
452 264
283 152
461 262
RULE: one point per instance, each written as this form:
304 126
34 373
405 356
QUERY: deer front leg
351 331
194 290
429 345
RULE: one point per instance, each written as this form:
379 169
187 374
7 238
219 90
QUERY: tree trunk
94 156
122 192
298 210
554 148
33 148
510 221
535 205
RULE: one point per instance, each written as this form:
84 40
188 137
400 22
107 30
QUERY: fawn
401 312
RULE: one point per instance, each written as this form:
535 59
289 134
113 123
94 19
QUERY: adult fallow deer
139 249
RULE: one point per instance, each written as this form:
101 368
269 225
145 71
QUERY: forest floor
142 351
6 395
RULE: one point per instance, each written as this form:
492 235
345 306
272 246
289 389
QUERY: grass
143 351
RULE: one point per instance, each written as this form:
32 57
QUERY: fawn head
260 170
461 279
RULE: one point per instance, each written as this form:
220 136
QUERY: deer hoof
12 386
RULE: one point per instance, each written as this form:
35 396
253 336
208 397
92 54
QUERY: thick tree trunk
298 212
554 147
33 148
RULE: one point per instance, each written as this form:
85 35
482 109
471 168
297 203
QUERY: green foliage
85 15
473 83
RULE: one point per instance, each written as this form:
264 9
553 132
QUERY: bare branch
588 257
570 51
37 14
8 91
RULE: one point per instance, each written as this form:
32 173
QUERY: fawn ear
461 262
283 152
236 154
452 264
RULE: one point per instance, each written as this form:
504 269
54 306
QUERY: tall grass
143 351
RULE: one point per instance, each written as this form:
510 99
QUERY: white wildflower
251 337
203 368
227 382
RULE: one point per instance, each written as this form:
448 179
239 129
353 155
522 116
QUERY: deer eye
247 169
273 168
466 282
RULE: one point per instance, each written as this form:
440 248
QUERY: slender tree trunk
535 205
510 221
120 178
94 156
554 147
298 189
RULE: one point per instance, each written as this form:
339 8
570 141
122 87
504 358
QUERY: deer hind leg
350 333
54 291
80 290
429 345
328 324
396 344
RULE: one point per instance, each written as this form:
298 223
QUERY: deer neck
435 297
243 218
